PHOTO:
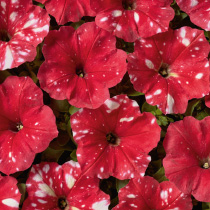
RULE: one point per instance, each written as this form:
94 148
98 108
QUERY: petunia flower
132 19
148 194
81 65
68 10
54 187
115 139
198 10
26 125
187 158
9 193
22 27
171 68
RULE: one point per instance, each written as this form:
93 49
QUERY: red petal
89 48
207 100
9 193
138 134
191 138
132 24
199 12
67 10
48 182
188 68
146 193
23 106
27 26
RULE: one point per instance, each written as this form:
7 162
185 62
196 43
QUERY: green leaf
191 106
73 155
22 189
201 115
60 105
148 108
135 94
163 120
51 155
77 24
160 175
205 206
73 110
121 183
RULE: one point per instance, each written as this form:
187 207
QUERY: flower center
4 36
80 72
112 139
163 71
19 127
62 203
15 127
129 4
206 165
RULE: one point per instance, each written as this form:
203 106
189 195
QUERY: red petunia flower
187 158
131 19
26 124
116 136
147 194
9 193
171 68
198 10
68 10
22 27
81 65
54 187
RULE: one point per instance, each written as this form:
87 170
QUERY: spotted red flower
54 187
171 68
116 136
131 19
9 193
26 124
189 167
81 65
22 27
68 10
198 10
147 194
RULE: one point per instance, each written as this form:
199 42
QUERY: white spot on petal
183 32
131 196
153 121
46 168
100 205
117 13
186 42
170 103
3 4
10 202
47 190
199 76
13 16
164 194
194 3
119 27
43 28
8 58
70 180
126 119
112 105
149 64
157 92
104 19
136 17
